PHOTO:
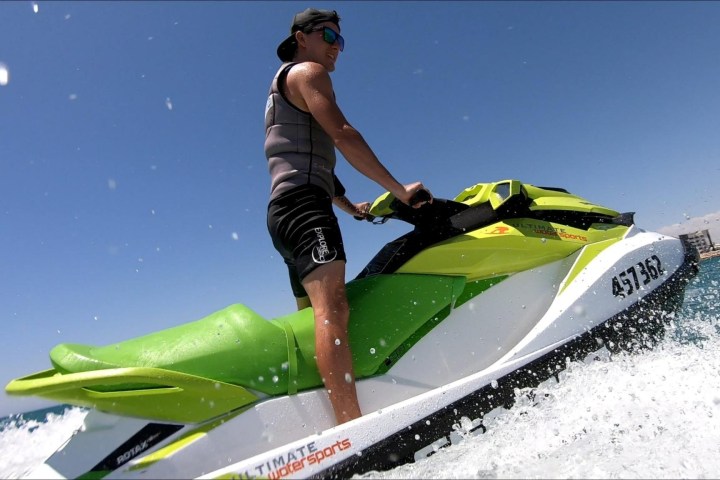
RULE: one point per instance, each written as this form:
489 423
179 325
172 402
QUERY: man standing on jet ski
303 126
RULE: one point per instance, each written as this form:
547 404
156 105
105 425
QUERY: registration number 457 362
631 280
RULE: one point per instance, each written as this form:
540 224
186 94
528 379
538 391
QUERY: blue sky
133 179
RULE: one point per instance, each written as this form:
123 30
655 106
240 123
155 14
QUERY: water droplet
348 378
372 351
4 75
337 341
466 424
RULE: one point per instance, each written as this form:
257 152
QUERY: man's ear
300 38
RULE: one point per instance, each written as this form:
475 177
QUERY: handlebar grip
419 197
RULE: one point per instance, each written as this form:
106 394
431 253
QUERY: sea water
650 415
26 440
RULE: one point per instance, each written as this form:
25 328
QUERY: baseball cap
301 22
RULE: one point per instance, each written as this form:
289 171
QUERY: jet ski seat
224 346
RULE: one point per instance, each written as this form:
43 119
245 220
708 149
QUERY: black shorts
305 231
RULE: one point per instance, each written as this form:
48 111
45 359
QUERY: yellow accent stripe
180 443
167 450
589 253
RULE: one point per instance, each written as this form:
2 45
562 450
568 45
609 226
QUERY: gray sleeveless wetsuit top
298 150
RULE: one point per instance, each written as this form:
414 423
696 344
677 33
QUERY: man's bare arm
354 209
310 87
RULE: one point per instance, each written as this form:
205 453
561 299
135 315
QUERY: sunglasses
331 36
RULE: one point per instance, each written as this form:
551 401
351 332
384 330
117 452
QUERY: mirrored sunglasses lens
330 37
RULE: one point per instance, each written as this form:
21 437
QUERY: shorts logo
321 253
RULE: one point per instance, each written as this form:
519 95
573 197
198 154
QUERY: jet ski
492 291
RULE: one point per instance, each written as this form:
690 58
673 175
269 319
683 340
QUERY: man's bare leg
326 288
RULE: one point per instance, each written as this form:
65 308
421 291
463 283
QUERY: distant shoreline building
702 241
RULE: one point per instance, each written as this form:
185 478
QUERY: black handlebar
420 196
367 217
